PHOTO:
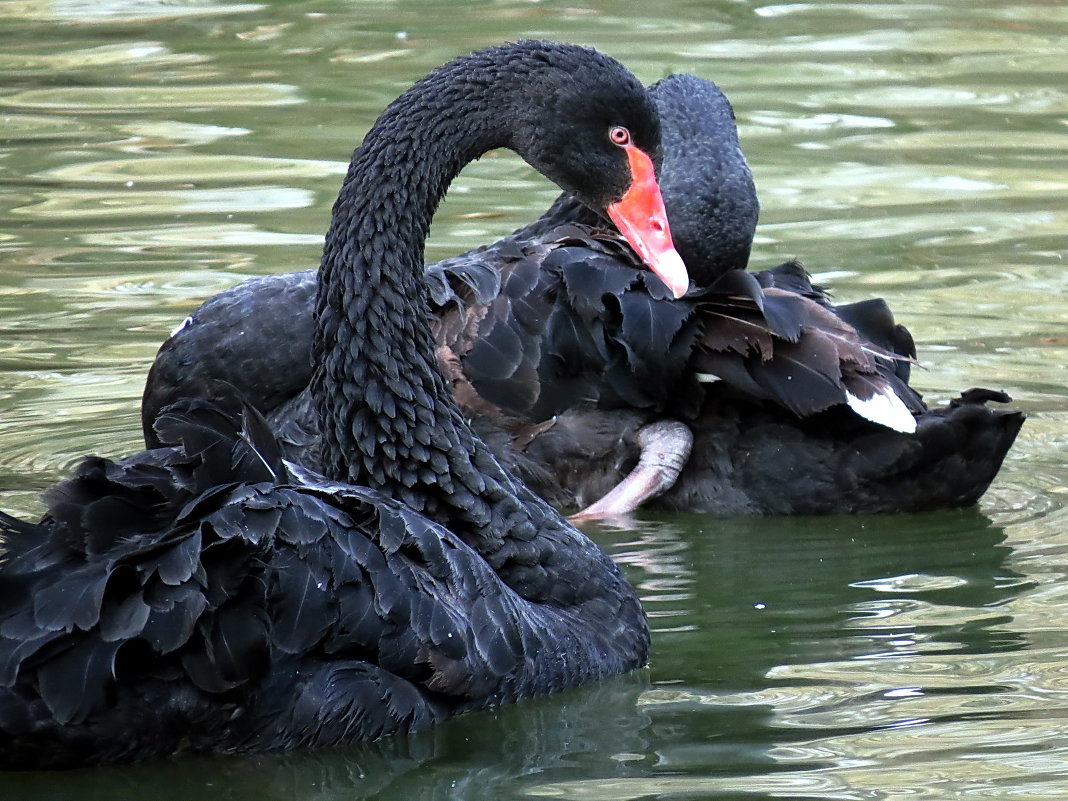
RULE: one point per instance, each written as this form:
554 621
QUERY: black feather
588 278
173 615
496 354
79 680
75 601
648 329
302 607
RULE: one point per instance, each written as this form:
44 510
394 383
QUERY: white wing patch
188 321
887 410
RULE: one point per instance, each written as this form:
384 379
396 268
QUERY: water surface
152 153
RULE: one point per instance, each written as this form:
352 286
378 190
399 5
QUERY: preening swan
205 595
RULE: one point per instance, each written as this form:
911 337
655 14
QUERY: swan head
589 125
707 184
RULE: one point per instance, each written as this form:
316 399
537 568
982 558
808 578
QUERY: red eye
619 135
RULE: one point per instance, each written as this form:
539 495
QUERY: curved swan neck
387 417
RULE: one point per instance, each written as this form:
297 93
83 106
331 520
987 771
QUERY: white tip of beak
670 268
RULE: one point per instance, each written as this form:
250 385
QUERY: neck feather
387 417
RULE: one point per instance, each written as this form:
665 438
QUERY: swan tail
948 462
762 338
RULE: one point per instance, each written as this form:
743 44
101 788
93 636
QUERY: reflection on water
922 667
152 153
487 756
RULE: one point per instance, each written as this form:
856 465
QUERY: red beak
640 217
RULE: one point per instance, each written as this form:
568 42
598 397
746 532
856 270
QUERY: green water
152 153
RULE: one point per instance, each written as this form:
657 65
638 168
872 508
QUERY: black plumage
560 347
207 595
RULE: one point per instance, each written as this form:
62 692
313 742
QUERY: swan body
208 595
562 349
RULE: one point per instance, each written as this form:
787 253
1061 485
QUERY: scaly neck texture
388 419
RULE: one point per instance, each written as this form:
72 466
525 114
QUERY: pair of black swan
753 394
207 595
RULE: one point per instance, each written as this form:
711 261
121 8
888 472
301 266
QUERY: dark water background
152 153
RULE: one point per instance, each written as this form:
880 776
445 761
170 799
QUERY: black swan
207 595
573 372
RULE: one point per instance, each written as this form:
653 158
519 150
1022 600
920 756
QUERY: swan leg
665 449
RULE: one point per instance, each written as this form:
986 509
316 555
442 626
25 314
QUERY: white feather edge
886 410
188 321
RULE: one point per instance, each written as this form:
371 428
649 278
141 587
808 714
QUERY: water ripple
191 169
103 11
97 99
154 152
